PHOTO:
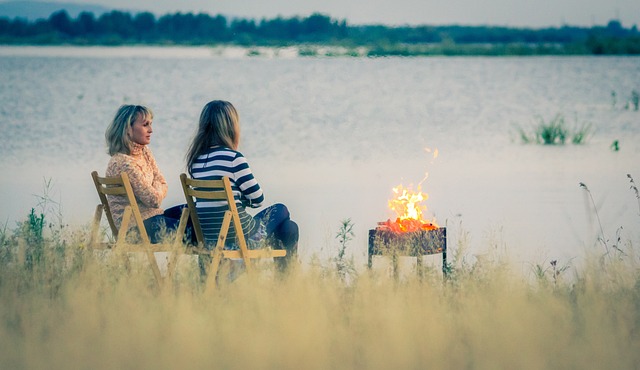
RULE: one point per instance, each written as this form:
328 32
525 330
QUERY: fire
408 208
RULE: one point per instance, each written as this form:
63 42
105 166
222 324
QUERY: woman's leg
278 223
153 226
172 218
174 212
288 234
272 217
156 226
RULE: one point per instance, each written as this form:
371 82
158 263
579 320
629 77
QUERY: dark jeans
281 230
168 221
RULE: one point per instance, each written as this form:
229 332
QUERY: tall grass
69 310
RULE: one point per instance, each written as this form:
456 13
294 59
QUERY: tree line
118 27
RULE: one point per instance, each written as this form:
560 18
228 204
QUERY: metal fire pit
385 242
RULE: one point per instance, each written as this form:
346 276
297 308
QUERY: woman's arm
159 182
252 195
146 192
142 184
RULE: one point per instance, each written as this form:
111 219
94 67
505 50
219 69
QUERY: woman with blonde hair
213 153
128 137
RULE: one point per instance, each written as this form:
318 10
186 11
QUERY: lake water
330 137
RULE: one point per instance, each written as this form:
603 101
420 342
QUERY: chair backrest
119 186
210 190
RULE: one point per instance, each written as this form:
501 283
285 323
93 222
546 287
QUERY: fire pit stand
385 242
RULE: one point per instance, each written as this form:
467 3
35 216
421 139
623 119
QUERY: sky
510 13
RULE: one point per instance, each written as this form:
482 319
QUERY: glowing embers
408 208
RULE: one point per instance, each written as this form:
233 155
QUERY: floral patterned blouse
148 184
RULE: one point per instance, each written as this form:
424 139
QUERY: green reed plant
615 146
581 134
556 132
32 231
344 267
552 132
340 265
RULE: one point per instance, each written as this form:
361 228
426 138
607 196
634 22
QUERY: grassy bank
62 308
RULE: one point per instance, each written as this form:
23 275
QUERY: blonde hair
118 140
219 125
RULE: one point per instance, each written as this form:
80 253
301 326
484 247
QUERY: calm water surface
332 137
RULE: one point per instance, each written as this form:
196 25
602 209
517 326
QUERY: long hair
117 134
219 125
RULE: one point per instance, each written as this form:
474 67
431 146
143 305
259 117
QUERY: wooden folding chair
120 185
219 190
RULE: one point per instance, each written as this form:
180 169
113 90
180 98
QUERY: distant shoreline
284 52
316 35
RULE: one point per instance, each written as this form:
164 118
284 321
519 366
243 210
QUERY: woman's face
141 130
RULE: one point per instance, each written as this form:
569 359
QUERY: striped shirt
213 165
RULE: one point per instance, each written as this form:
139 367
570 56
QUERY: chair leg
216 255
154 267
122 239
224 230
177 243
182 227
95 228
124 226
242 242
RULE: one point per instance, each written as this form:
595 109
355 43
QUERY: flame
408 208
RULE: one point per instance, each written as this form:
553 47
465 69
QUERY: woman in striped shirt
212 155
